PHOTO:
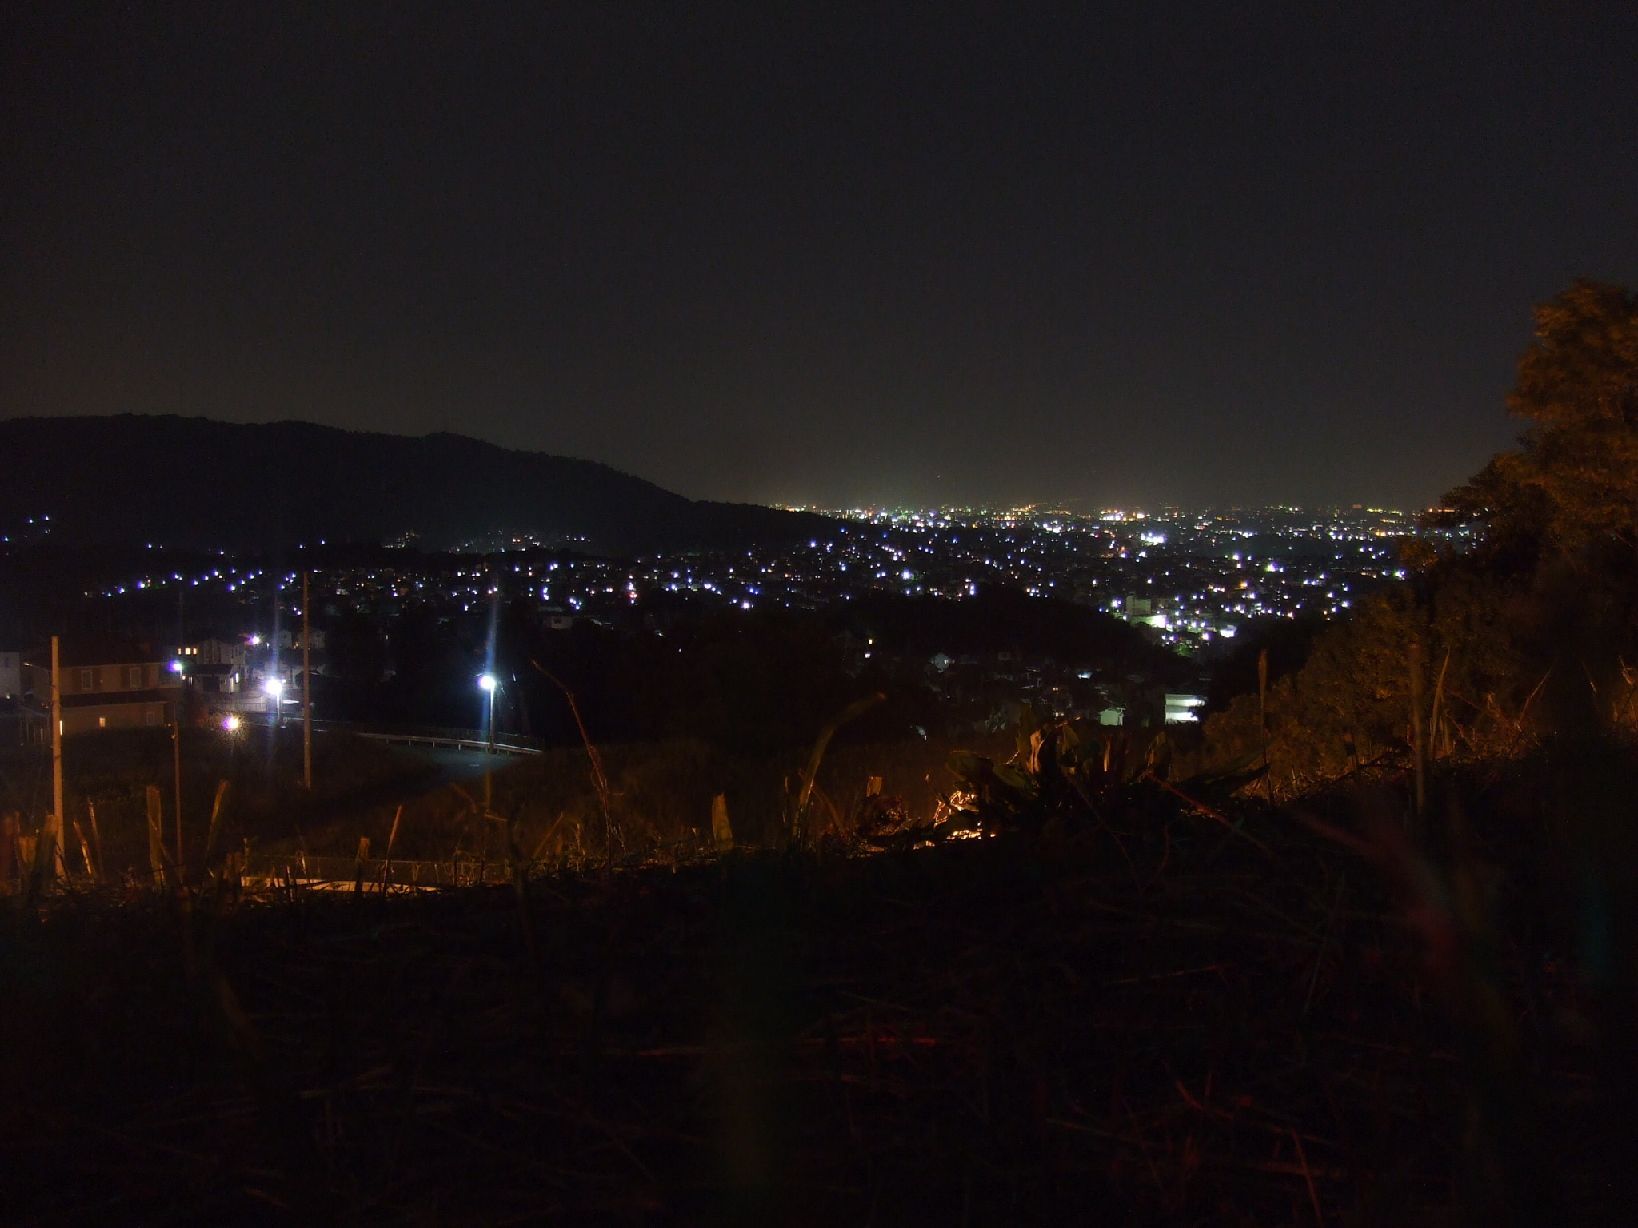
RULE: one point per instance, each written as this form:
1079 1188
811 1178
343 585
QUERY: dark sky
933 252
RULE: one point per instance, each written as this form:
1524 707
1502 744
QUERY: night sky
932 253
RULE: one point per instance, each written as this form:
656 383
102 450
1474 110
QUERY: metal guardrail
449 739
448 743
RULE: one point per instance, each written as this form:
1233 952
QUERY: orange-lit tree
1571 488
1537 626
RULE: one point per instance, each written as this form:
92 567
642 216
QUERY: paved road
456 764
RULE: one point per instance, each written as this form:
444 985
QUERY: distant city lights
1191 569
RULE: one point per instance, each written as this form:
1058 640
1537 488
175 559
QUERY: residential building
215 679
104 686
235 653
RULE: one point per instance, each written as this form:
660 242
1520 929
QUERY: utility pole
306 686
56 826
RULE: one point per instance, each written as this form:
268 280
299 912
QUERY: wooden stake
721 831
55 829
176 772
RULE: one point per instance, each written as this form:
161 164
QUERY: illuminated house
104 686
235 653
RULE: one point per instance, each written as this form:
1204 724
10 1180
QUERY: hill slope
200 483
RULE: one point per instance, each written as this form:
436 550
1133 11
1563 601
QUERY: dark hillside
192 482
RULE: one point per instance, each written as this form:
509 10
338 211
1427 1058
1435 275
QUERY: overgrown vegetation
1288 1016
107 778
660 801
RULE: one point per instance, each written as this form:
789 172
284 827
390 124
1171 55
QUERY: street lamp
275 689
489 684
231 724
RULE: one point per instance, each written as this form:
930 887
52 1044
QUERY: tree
1562 510
1541 617
1571 489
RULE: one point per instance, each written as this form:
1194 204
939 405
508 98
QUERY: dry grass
660 798
1148 1020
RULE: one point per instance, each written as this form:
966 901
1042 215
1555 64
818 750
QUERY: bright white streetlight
488 683
230 724
275 688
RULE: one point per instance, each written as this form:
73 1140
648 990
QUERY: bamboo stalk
1436 717
1418 739
85 851
156 835
215 819
600 780
392 839
96 837
852 712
